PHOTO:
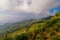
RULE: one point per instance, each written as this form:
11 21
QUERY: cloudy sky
16 10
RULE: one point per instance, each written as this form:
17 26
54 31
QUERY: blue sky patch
54 10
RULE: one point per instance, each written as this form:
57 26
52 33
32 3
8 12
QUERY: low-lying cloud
26 9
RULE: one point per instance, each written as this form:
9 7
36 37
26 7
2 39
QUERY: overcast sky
15 10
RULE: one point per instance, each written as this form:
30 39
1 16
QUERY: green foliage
6 37
36 30
23 36
55 38
39 37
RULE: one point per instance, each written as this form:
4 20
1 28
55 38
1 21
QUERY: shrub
23 36
6 37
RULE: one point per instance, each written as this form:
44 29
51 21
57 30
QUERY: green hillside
47 29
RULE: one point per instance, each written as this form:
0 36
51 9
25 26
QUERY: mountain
42 29
12 27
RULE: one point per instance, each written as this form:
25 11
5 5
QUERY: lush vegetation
47 29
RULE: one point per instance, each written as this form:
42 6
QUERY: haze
18 10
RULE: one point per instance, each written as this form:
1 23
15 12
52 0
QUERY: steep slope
41 30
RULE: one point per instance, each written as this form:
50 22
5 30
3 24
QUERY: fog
12 11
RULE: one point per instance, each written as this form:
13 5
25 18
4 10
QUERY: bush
23 36
39 37
6 37
54 37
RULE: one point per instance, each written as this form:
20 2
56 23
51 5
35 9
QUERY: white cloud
37 7
9 18
4 4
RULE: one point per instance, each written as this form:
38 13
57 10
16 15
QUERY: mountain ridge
47 29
